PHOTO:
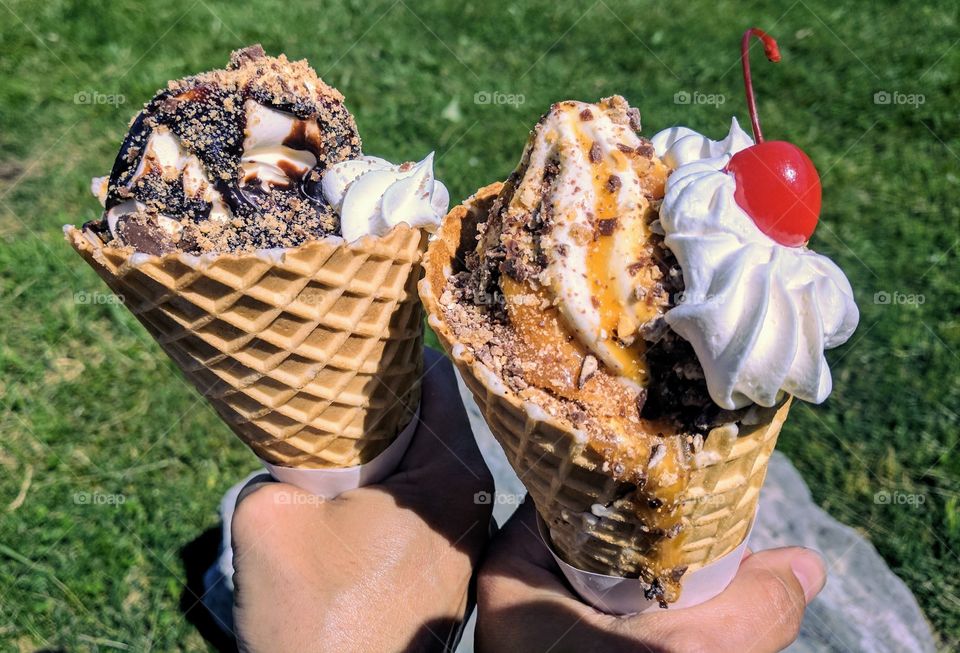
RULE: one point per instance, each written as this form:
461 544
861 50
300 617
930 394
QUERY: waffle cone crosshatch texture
312 355
593 519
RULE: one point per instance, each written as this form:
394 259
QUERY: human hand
384 567
524 604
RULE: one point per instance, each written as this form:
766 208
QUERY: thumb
763 607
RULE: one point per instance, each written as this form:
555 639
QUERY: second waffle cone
567 479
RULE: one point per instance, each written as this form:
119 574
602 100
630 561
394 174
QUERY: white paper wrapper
623 596
330 483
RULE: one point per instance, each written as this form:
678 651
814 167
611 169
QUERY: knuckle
784 604
246 517
258 510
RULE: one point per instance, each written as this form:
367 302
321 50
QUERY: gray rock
864 606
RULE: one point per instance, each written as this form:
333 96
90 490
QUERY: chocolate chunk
641 401
578 417
98 228
626 149
677 573
249 53
607 227
587 370
586 115
655 593
596 154
189 241
633 116
646 149
143 235
614 183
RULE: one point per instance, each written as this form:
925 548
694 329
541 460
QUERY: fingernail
810 570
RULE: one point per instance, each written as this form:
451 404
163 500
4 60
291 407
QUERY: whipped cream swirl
758 314
373 195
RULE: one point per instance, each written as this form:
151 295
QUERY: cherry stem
772 51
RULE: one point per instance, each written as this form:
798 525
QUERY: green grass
89 405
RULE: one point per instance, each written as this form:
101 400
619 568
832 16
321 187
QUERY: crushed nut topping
587 370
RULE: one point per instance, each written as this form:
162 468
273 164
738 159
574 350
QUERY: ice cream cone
311 354
593 521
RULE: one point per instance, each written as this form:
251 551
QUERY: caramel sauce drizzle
600 261
556 354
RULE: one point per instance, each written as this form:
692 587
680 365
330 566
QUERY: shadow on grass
197 556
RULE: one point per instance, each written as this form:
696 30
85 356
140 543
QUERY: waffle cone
312 354
565 477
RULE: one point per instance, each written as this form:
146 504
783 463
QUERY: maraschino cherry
777 184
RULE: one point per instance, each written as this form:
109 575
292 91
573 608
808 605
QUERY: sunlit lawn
111 465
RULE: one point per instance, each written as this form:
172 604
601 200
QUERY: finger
521 540
519 554
265 503
269 537
247 523
522 601
762 608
